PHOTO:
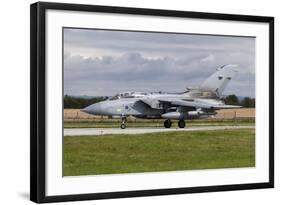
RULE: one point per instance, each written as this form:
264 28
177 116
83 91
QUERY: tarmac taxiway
104 131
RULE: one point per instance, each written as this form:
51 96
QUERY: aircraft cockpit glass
128 95
122 95
116 97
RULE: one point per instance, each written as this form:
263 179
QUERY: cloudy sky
103 62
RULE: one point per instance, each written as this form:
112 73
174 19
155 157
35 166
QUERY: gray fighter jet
201 102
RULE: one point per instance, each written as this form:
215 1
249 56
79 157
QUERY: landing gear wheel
123 126
181 124
123 122
167 123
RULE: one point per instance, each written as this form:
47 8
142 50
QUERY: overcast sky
103 63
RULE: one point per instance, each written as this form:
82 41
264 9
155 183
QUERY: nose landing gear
123 122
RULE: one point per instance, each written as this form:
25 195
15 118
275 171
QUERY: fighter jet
200 102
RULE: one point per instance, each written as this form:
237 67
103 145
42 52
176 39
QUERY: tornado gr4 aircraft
201 102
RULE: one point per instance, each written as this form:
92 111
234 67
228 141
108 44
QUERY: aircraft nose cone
94 109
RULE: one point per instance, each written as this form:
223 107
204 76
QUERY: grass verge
166 151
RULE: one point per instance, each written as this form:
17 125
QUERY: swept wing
156 102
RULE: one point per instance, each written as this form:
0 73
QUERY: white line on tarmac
103 131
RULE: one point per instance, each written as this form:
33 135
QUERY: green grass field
150 123
166 151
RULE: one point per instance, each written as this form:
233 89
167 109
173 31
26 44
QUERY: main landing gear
168 123
123 122
181 123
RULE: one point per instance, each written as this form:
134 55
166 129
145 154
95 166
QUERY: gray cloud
99 62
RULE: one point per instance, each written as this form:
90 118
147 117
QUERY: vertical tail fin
218 81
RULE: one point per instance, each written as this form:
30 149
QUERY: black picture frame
38 100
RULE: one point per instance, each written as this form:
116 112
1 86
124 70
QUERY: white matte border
58 185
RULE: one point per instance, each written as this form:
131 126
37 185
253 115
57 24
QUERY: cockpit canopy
128 95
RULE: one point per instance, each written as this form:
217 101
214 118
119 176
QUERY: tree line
234 100
80 102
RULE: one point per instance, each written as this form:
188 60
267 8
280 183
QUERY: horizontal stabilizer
227 106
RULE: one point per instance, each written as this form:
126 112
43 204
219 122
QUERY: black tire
123 126
181 124
167 123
